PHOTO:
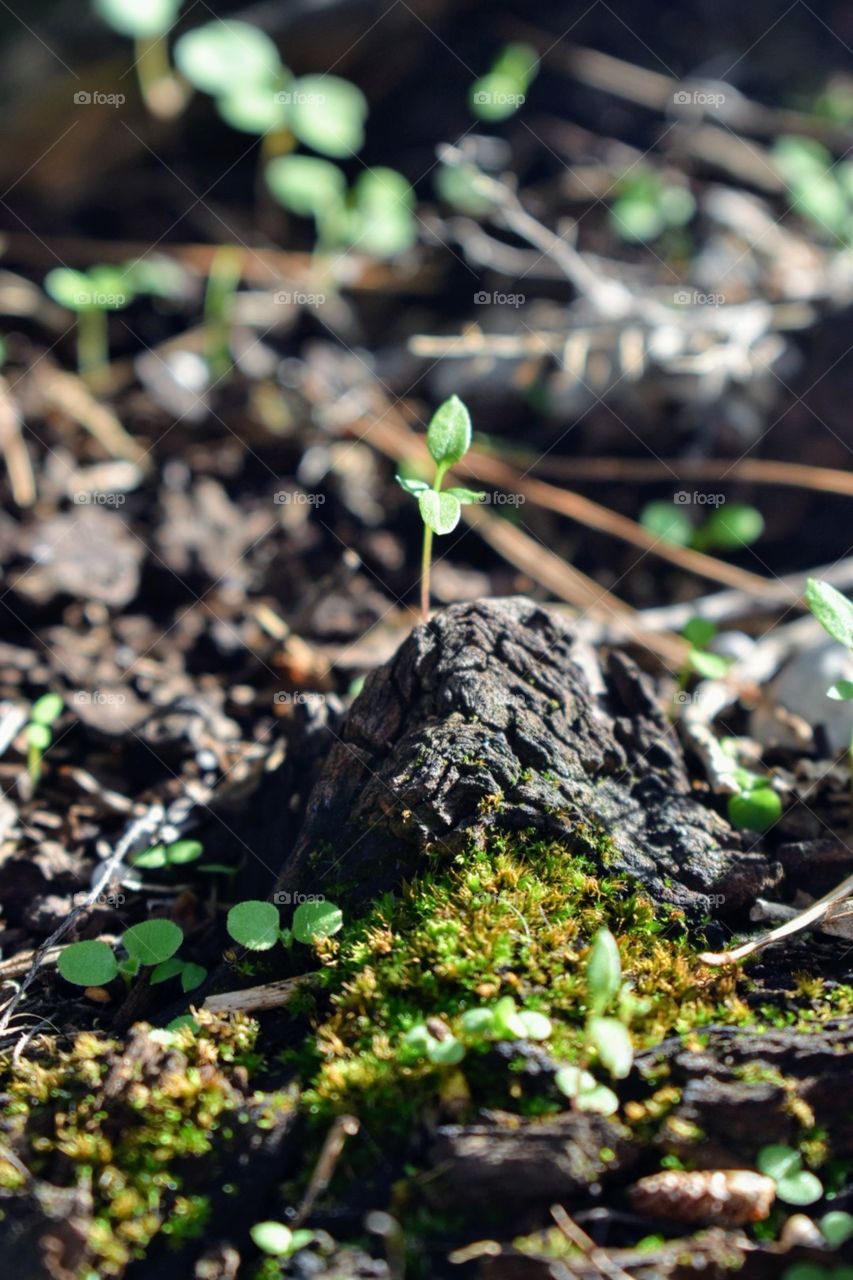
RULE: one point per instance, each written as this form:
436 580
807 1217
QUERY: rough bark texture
495 715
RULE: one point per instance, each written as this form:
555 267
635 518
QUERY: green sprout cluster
256 924
448 440
499 94
730 527
834 612
819 188
647 204
38 732
152 944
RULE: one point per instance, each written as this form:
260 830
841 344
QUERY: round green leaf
151 859
39 736
836 1227
637 218
777 1161
805 1271
223 56
536 1025
328 114
384 232
252 108
192 976
273 1238
613 1043
152 941
439 511
88 964
755 810
478 1021
699 631
496 96
305 185
314 921
833 611
138 18
449 432
731 527
507 1023
254 924
669 521
446 1052
165 970
183 851
69 288
603 971
585 1090
47 709
800 1188
841 691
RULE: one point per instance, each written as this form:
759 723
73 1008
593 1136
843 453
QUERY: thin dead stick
598 1258
271 995
803 920
15 451
344 1127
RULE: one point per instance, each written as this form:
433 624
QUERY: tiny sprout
278 1240
46 710
794 1184
502 91
834 612
91 295
730 528
148 22
176 854
154 942
585 1091
603 971
836 1227
448 440
646 205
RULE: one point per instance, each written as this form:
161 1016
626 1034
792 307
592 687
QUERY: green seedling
176 854
501 1021
755 806
153 944
255 924
700 661
91 295
223 281
730 528
277 1240
836 1227
794 1184
834 612
611 1004
448 440
147 23
38 732
647 205
819 189
500 93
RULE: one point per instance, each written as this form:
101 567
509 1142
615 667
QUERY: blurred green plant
147 23
834 612
819 188
647 204
153 944
38 732
730 527
499 94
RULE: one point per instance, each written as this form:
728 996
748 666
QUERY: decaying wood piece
496 716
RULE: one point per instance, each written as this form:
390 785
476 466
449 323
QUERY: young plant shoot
147 23
448 440
90 295
46 710
834 612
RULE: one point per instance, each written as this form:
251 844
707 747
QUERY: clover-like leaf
254 924
306 185
253 108
226 54
273 1238
833 610
328 114
316 921
446 1052
537 1026
731 527
478 1021
152 941
88 964
699 632
799 1188
439 511
507 1023
449 432
585 1091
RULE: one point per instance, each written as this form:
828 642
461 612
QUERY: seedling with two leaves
502 1021
152 944
448 440
38 732
730 527
256 924
834 612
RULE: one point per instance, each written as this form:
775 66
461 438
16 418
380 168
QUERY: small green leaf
732 526
315 921
273 1238
87 964
384 202
183 851
800 1188
254 924
439 511
446 1052
668 521
130 967
192 976
755 810
183 1020
467 496
151 859
138 18
412 486
252 108
478 1021
165 970
152 941
613 1045
496 96
699 632
833 611
38 736
449 432
69 288
711 666
536 1025
47 709
225 53
306 185
585 1090
836 1227
603 971
328 114
777 1161
841 691
508 1024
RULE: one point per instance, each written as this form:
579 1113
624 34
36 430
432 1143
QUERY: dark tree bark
496 716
